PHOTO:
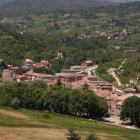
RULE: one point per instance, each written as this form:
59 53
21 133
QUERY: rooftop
71 75
38 74
88 61
130 89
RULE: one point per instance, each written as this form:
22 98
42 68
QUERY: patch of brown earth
13 114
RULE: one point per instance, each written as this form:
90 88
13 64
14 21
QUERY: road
88 70
114 75
117 79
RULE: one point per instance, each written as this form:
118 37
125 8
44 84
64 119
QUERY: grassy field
28 124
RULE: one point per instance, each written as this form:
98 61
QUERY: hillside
89 33
27 124
26 7
5 1
60 2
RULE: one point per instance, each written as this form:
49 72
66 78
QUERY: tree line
37 96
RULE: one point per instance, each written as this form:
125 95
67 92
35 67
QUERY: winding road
114 75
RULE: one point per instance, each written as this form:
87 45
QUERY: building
87 63
106 88
60 55
70 71
138 76
45 63
7 75
91 78
105 84
129 90
22 78
71 78
27 67
34 76
28 61
15 70
110 70
76 67
36 66
130 51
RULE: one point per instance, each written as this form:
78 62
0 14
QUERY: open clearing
30 125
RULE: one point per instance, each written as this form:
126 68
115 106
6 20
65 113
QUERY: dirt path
13 114
117 79
114 75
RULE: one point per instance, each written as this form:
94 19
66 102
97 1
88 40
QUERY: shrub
15 104
46 116
72 135
91 137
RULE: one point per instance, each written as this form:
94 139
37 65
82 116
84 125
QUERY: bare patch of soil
13 114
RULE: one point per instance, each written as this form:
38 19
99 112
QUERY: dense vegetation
3 66
131 109
131 69
74 50
34 95
61 31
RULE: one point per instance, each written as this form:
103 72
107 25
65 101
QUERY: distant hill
25 7
5 1
62 2
123 1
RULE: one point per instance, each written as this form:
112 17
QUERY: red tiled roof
19 76
88 61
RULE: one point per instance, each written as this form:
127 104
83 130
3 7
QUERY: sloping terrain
33 126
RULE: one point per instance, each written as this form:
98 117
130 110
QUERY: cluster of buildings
115 35
12 73
75 77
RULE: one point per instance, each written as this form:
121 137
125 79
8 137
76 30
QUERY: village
76 77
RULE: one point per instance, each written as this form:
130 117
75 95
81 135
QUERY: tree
131 109
72 135
59 82
85 86
137 89
15 104
91 137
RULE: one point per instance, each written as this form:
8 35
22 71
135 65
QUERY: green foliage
59 82
15 104
85 86
101 72
44 70
34 95
38 84
91 137
72 135
131 109
131 69
46 116
137 89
